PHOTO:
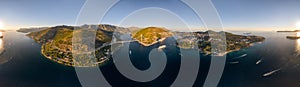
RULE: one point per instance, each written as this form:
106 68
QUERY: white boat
162 47
272 72
259 61
129 51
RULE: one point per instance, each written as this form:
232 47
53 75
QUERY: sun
1 25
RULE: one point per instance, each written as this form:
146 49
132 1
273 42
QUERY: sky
267 15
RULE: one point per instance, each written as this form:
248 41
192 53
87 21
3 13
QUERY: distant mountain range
27 30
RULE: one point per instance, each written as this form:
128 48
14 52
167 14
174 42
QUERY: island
290 31
202 40
292 37
57 41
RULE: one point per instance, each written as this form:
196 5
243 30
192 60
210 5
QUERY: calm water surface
23 65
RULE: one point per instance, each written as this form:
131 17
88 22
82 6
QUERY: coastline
71 64
160 40
50 58
205 52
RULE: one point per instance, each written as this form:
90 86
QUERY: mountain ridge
57 41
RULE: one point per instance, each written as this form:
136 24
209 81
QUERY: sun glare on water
298 34
298 25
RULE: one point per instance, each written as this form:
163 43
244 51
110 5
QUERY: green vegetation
151 35
204 39
57 44
57 41
38 36
235 42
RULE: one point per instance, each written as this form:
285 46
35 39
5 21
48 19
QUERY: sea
271 63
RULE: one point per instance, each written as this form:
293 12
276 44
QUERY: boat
272 72
259 61
162 47
129 51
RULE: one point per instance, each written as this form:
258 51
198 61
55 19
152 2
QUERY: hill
57 42
203 40
151 35
28 30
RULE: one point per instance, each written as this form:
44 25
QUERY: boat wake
235 62
240 56
272 72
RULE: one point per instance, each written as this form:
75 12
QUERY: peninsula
151 35
186 40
